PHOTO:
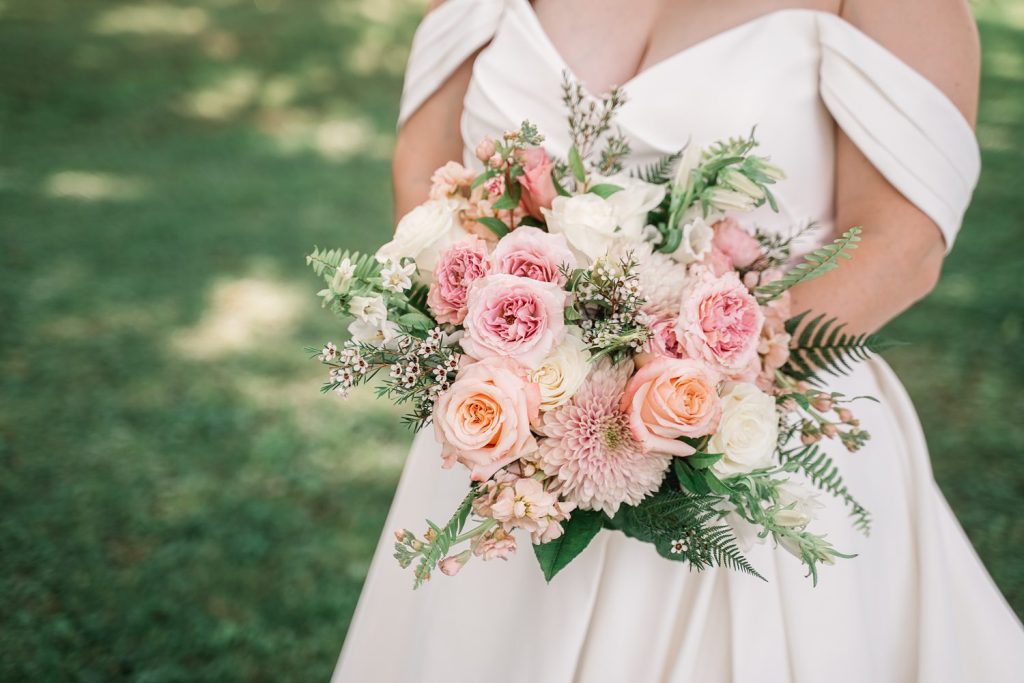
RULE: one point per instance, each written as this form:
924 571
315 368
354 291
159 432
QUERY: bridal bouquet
603 349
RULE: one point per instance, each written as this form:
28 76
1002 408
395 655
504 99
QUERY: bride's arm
429 138
900 257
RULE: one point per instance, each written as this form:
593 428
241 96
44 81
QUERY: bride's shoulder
937 38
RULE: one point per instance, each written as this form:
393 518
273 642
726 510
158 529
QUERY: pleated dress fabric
915 605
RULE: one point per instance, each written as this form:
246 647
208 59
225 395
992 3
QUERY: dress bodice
793 74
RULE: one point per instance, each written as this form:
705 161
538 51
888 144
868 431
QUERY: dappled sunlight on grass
94 186
232 93
152 18
240 316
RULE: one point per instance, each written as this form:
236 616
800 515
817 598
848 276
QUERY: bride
870 107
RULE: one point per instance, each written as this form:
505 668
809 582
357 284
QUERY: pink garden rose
457 267
538 187
719 320
514 317
736 243
669 398
532 253
483 420
665 339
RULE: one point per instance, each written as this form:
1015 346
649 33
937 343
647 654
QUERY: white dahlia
590 450
661 277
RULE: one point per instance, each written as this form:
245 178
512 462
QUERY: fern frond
815 264
823 473
823 345
670 517
659 172
444 538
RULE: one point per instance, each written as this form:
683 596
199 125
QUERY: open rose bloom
597 348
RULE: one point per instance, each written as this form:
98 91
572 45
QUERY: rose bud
485 150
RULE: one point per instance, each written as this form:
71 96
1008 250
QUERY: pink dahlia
589 448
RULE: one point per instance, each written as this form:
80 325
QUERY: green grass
178 501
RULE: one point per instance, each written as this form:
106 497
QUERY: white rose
696 243
368 309
747 434
423 234
589 223
560 375
633 202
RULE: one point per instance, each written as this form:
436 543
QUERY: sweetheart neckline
538 28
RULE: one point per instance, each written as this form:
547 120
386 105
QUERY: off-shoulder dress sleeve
446 37
904 124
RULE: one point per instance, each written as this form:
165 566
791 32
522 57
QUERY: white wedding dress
915 605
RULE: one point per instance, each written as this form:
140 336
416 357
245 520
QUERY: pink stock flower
457 268
538 186
483 420
589 449
524 505
514 317
719 320
773 346
497 544
450 179
451 565
736 243
532 253
669 398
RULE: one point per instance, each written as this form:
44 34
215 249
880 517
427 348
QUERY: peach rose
538 187
515 317
669 398
483 420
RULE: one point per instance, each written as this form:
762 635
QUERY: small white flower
329 352
678 546
396 277
343 275
369 309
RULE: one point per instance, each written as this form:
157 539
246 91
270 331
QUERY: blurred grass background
178 501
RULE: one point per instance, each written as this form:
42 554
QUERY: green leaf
576 165
531 221
562 192
689 477
578 532
505 202
702 461
483 178
496 225
822 345
605 190
715 484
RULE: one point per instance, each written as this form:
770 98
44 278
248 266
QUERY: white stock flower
423 234
384 334
368 309
747 434
633 202
696 242
589 223
562 372
343 275
396 277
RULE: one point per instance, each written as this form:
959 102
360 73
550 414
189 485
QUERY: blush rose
514 317
532 253
457 268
